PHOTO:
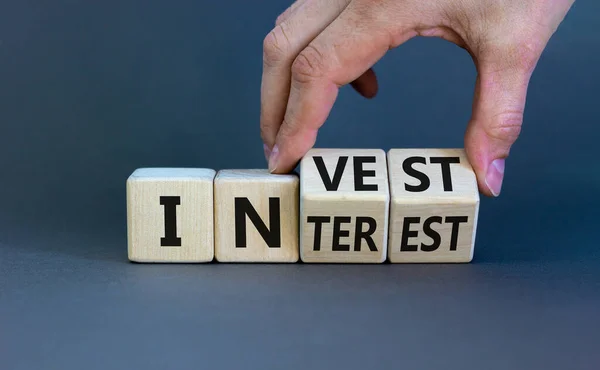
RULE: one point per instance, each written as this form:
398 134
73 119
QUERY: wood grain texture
434 206
344 218
261 192
193 216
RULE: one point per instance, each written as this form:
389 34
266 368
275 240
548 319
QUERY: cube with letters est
434 206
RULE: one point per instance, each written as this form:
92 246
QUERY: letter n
271 235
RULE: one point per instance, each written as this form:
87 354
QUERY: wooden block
170 215
256 216
344 206
434 206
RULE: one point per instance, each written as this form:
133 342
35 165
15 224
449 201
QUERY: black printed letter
337 233
445 162
406 234
360 174
331 185
437 239
455 221
243 207
318 222
407 167
170 208
359 234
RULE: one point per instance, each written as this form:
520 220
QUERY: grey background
89 91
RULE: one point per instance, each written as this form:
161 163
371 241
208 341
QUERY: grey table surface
91 91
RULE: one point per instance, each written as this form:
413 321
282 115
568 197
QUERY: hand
318 46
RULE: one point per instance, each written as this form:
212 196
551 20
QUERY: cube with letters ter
434 206
170 215
344 206
256 216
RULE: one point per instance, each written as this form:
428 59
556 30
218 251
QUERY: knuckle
308 65
288 12
370 12
281 18
525 56
506 126
276 46
519 56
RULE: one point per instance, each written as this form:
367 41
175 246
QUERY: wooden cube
344 206
434 206
170 215
256 216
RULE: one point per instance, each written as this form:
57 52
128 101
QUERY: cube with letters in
256 216
170 215
344 206
434 206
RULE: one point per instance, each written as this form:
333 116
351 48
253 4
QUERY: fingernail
273 158
494 176
267 152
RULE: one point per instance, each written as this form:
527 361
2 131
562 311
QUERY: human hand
319 45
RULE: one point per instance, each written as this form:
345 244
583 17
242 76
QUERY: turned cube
256 216
434 206
170 215
344 203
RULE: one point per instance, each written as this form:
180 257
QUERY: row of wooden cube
345 206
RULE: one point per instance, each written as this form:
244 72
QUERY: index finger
339 55
281 46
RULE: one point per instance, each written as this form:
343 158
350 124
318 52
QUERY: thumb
496 121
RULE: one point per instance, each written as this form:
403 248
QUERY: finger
346 50
281 46
496 121
366 84
289 11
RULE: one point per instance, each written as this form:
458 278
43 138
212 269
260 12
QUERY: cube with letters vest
434 206
170 215
344 206
256 216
